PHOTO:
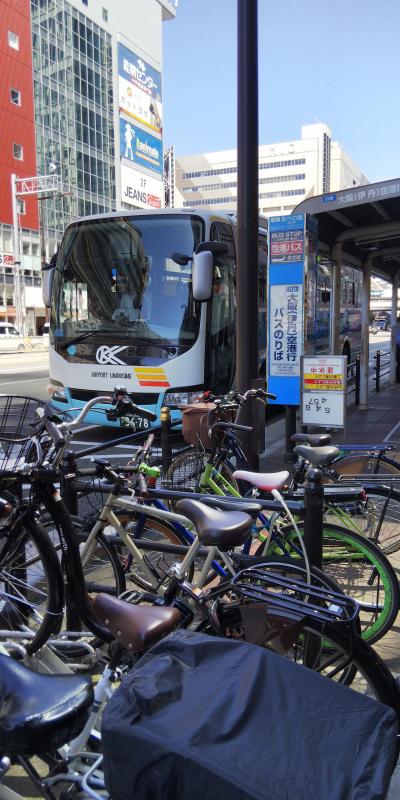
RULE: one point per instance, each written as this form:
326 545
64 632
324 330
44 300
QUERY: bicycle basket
16 417
197 420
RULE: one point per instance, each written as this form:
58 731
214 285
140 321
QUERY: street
25 374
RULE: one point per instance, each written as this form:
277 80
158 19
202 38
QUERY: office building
288 173
95 113
17 156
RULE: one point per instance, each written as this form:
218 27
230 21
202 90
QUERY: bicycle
362 568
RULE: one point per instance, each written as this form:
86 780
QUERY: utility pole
247 204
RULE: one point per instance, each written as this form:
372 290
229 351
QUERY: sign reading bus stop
324 391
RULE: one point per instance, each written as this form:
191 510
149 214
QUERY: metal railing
382 367
353 379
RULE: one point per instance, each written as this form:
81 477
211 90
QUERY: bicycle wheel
31 585
379 517
365 465
185 471
102 566
338 654
151 532
361 569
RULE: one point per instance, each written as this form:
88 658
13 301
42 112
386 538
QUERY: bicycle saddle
265 481
223 529
136 627
317 456
40 712
313 439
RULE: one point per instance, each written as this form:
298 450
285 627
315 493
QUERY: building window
18 151
104 14
13 40
21 208
25 249
15 97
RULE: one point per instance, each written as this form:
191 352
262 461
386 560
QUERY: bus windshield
118 275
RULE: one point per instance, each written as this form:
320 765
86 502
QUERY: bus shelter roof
365 220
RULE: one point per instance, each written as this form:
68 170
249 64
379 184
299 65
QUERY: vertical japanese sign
286 306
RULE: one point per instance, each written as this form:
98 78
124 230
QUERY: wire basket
185 471
16 417
198 419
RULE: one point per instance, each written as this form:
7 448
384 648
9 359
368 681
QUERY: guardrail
353 379
382 367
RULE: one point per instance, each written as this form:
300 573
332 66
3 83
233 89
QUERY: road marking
28 380
386 439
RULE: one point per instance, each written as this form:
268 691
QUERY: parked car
11 340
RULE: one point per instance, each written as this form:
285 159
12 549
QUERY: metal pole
357 380
335 298
313 541
364 366
291 412
313 518
393 323
17 260
166 451
378 370
247 202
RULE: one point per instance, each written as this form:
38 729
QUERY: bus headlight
181 398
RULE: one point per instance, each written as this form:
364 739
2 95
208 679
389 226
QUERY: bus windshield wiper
86 335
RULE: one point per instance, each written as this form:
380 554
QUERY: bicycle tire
365 466
31 554
102 567
357 558
340 651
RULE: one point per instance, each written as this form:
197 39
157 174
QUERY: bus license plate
135 423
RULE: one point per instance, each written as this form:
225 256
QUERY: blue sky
333 61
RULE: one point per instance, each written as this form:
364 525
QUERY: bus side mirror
48 278
202 275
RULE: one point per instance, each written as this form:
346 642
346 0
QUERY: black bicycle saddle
40 712
224 529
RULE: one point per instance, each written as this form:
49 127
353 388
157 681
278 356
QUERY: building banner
140 147
139 87
139 190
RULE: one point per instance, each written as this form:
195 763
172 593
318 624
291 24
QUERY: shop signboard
139 86
140 147
140 190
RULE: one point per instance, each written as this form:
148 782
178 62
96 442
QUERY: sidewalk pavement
378 423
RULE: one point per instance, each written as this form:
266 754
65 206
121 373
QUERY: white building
288 173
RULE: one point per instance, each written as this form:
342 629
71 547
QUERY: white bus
127 307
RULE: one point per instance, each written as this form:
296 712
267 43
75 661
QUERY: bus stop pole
247 205
393 324
364 365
